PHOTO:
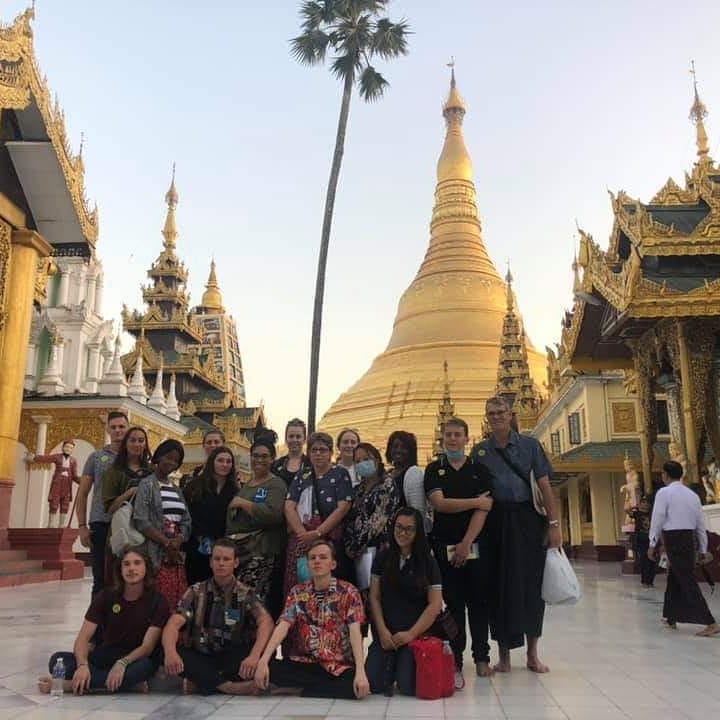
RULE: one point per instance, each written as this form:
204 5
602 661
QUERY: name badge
232 616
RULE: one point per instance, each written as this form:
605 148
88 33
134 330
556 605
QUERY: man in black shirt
460 495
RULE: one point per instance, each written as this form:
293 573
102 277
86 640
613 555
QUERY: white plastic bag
560 584
122 530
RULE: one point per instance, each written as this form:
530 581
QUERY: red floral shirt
322 623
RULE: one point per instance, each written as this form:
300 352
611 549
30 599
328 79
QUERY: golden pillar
16 295
691 445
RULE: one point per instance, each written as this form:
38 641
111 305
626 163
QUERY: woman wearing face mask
256 521
208 496
288 466
347 441
376 500
405 600
401 453
161 515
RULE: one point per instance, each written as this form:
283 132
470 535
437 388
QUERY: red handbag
434 669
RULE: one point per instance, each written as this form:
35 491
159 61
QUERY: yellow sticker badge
441 472
480 452
116 608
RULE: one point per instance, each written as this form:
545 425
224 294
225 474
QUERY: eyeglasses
319 450
261 458
405 529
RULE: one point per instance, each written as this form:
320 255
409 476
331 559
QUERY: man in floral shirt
327 614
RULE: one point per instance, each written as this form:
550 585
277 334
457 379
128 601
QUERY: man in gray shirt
95 536
516 534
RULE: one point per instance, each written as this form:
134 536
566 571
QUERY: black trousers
98 539
647 566
518 538
467 587
313 679
684 602
210 671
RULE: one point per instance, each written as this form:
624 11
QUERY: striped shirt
172 503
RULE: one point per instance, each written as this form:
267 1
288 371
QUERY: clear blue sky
565 99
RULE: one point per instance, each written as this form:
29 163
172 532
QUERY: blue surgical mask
454 455
365 468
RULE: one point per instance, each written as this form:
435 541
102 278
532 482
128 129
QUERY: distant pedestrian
678 516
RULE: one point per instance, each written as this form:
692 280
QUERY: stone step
12 555
10 567
26 578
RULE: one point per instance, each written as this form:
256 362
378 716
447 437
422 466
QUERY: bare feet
535 665
44 684
709 631
503 664
483 669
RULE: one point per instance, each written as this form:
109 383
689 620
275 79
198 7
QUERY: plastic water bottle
448 670
58 679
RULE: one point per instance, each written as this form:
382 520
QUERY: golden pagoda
514 382
453 310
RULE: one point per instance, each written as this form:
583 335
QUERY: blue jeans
135 673
385 666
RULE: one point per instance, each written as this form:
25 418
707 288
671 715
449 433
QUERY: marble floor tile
610 659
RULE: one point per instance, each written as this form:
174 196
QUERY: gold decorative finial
212 297
698 113
170 232
509 281
454 105
82 144
451 65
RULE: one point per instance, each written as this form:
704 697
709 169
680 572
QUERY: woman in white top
401 452
346 442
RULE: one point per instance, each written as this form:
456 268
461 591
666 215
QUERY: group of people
307 553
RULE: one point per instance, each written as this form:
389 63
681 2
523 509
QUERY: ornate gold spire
454 162
698 113
170 232
446 410
212 297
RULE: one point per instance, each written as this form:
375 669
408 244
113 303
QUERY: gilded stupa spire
170 232
212 297
446 410
698 113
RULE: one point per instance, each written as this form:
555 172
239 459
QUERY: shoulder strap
506 459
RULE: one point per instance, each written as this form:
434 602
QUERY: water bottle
448 670
58 679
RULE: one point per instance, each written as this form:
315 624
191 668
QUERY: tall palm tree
354 32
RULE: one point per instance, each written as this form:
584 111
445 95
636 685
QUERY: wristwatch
554 523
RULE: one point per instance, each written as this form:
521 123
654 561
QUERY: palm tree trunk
324 243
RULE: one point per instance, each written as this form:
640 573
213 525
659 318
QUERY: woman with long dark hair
131 465
401 452
288 466
256 522
130 618
161 515
374 505
405 601
207 496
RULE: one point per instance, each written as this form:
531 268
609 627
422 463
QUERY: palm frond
372 84
310 48
311 15
390 38
369 7
344 65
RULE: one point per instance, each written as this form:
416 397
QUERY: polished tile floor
610 658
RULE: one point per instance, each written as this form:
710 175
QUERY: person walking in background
641 541
161 515
288 466
459 492
208 496
401 452
678 518
95 536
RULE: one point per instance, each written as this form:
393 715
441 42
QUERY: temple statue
631 492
